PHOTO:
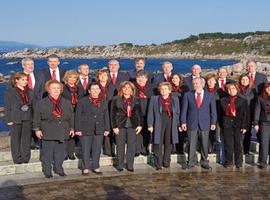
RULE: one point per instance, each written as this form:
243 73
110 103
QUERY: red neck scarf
57 110
176 88
104 90
23 94
95 101
211 90
74 95
127 102
142 91
244 89
230 109
166 103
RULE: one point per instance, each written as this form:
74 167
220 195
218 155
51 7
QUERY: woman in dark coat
126 120
163 121
92 123
262 124
19 116
70 92
234 115
54 124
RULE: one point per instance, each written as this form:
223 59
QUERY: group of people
124 112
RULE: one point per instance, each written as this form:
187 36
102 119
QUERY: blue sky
81 22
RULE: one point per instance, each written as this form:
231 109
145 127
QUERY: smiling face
53 63
84 70
167 68
28 66
72 79
139 65
103 77
54 90
211 82
114 66
176 80
127 90
222 74
251 67
196 70
94 91
244 81
165 91
141 80
232 90
21 82
197 84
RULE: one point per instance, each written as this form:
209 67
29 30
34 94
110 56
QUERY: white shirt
56 72
254 74
167 75
202 93
219 82
116 73
81 79
32 78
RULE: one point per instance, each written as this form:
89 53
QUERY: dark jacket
13 104
261 114
119 114
242 112
81 91
53 128
259 81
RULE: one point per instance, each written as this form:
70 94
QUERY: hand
213 127
256 127
243 130
72 133
106 133
116 131
184 127
138 129
39 134
180 129
79 133
151 129
10 123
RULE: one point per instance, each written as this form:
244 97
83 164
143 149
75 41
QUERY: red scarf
127 102
74 95
142 91
176 88
230 109
95 101
23 94
166 103
244 89
211 90
104 90
57 110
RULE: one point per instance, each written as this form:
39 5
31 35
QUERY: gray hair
223 68
79 67
196 65
202 80
167 63
26 60
113 60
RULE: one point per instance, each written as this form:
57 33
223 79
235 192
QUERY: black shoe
145 154
158 168
184 166
261 166
97 172
238 166
48 176
130 170
166 166
206 167
137 154
71 157
61 173
120 169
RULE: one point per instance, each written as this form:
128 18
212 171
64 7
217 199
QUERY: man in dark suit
196 73
139 65
84 81
198 117
257 78
51 73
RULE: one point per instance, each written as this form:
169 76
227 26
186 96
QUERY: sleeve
8 106
245 114
72 120
184 109
257 112
37 117
113 113
213 108
78 112
107 118
150 113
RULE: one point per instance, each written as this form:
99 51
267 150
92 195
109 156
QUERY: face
139 65
176 80
84 70
114 66
165 90
28 66
103 77
94 91
53 63
251 67
222 74
196 70
127 90
71 80
211 82
141 80
197 85
232 90
54 90
268 91
167 68
22 82
245 81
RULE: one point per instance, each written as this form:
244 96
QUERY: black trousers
143 141
264 143
109 145
91 149
165 142
20 140
233 145
53 153
71 144
247 141
126 135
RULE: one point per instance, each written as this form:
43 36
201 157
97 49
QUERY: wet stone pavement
247 183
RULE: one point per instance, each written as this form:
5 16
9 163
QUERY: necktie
198 100
53 75
113 79
222 85
168 77
84 83
252 77
30 83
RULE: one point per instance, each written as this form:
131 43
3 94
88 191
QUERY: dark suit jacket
90 119
119 114
53 128
13 103
154 117
242 112
251 97
220 92
81 92
188 82
261 114
43 76
159 78
198 118
259 81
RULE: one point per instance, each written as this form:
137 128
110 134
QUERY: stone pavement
145 183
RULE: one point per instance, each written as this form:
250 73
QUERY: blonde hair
123 84
165 84
16 77
70 73
101 71
50 82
